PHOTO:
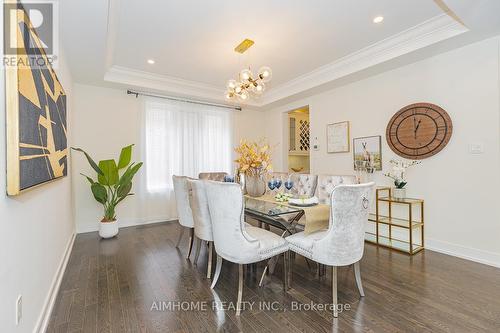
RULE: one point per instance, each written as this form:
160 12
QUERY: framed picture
337 137
367 152
35 113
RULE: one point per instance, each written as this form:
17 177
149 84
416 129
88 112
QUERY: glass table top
268 208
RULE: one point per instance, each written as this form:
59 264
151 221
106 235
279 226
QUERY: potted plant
112 186
398 175
254 162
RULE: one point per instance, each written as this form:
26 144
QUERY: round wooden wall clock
419 130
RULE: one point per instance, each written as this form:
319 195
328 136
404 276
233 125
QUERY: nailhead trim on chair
273 252
301 250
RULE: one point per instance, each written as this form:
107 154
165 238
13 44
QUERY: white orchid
399 171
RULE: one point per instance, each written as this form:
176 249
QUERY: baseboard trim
43 319
468 253
131 222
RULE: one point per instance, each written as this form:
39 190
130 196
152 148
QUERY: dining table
285 216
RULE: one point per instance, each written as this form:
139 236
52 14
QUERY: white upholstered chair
217 176
236 241
304 184
202 222
343 242
181 191
326 184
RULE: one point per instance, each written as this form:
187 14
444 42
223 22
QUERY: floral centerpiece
282 197
398 174
254 161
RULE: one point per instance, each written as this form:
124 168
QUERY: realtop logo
30 33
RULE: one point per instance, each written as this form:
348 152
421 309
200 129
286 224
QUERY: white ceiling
306 43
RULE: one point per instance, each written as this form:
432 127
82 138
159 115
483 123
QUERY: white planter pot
108 229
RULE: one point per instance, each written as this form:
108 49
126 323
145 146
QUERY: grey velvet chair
326 184
343 243
233 239
202 221
181 192
217 176
304 184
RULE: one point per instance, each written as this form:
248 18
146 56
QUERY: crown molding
158 82
432 31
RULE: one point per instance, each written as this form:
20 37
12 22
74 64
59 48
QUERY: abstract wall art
35 116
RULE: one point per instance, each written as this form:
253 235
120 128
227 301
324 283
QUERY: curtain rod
225 106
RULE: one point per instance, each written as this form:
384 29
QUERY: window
183 138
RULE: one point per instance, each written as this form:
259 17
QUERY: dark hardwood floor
126 284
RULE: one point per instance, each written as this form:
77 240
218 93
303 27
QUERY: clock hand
416 127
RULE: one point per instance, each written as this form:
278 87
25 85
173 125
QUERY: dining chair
304 184
202 221
181 192
342 244
217 176
326 184
236 241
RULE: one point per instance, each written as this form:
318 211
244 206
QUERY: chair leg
191 238
218 267
209 266
272 264
286 260
357 274
263 275
197 253
334 291
240 289
180 236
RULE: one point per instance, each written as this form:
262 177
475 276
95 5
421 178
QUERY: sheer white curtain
179 138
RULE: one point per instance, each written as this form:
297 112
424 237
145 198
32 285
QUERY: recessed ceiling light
378 19
151 61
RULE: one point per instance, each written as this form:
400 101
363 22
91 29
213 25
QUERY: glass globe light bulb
229 95
231 84
238 89
244 95
265 73
246 74
259 87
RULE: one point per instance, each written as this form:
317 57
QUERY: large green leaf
91 181
99 192
91 161
119 200
124 189
125 157
110 172
129 174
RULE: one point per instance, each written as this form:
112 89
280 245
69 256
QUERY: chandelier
248 84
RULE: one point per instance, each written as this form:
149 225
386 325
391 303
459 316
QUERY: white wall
107 119
36 229
460 189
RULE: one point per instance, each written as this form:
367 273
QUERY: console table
397 223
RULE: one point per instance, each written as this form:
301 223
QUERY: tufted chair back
277 175
326 184
181 191
199 207
225 201
216 176
344 241
304 184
